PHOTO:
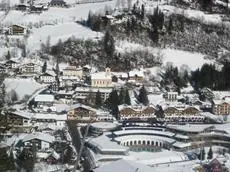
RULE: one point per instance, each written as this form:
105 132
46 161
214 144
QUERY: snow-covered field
22 87
58 23
60 31
178 58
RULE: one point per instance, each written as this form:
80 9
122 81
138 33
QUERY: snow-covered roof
124 165
189 127
44 98
23 114
106 145
101 75
55 117
150 158
49 72
138 73
143 137
104 125
40 136
218 102
90 89
139 132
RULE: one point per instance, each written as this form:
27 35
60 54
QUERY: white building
44 100
47 77
73 71
41 140
102 79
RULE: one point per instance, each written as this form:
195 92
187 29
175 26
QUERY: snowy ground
58 23
22 86
60 31
178 58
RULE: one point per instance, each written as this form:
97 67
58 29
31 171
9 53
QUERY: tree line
209 76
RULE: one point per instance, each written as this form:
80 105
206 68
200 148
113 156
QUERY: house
19 119
58 3
22 7
52 158
213 166
41 140
49 118
36 8
2 70
221 107
64 96
16 30
30 68
102 79
171 96
11 65
84 92
44 100
136 75
141 112
81 112
47 77
73 71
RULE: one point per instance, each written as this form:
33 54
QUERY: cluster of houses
66 96
41 6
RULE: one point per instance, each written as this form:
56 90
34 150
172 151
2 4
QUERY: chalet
2 69
108 19
73 72
81 112
47 77
30 68
102 79
58 3
17 119
136 75
84 92
181 111
127 112
42 141
65 96
22 7
42 100
36 8
16 30
221 107
11 65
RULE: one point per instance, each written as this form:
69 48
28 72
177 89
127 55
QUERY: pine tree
170 26
127 97
202 154
89 20
109 45
122 96
8 56
112 103
142 11
210 153
98 101
44 67
143 96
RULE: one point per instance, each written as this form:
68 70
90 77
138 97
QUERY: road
76 141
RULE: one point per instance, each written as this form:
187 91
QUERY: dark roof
57 2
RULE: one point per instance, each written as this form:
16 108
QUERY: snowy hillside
23 87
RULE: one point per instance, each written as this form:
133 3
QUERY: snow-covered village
114 86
